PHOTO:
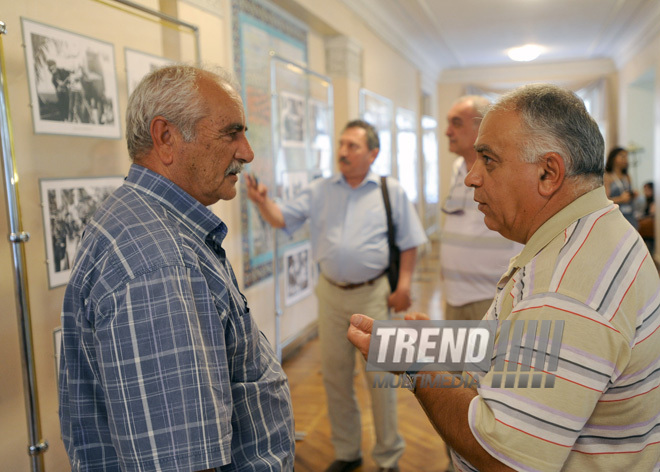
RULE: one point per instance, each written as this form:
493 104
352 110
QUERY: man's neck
355 182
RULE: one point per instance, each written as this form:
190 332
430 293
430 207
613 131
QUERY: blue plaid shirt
162 365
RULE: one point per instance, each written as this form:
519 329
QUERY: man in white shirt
472 257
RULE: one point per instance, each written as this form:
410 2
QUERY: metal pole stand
18 238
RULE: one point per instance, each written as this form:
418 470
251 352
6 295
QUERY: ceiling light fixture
525 53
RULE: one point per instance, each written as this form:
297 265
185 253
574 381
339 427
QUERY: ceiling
456 34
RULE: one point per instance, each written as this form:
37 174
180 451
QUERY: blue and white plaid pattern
162 365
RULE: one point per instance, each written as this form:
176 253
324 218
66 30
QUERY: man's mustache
236 167
343 160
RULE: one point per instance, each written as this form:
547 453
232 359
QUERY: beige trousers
336 306
474 311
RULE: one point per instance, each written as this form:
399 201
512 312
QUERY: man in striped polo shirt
538 181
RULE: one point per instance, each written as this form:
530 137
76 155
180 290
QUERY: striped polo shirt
599 406
472 257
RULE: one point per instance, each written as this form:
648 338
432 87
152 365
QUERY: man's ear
551 173
373 154
164 136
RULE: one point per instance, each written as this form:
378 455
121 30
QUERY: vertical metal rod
276 270
18 238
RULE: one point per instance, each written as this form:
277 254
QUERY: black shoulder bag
395 253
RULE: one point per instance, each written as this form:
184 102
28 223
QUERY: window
406 157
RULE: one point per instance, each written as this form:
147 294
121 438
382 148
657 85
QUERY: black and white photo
292 119
73 83
298 278
68 205
379 111
293 182
139 64
320 116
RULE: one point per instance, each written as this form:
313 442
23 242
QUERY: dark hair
373 141
609 163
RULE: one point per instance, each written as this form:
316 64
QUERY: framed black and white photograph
73 82
292 119
292 183
139 64
67 206
298 277
320 116
379 112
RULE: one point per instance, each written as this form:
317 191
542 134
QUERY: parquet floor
425 451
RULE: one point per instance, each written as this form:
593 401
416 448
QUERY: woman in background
618 186
647 220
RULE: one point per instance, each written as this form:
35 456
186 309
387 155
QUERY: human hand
399 300
256 191
359 333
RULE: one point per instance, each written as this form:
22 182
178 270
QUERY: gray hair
171 92
373 141
555 120
480 105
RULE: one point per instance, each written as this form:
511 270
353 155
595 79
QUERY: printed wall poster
258 33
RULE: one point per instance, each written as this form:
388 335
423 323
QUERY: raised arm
258 193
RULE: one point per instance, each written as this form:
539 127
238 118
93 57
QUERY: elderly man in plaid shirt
163 367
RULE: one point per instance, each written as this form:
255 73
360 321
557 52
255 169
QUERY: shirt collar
370 177
182 205
586 204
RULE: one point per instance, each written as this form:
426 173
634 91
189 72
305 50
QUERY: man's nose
245 152
473 178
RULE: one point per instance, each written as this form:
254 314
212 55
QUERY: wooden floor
425 451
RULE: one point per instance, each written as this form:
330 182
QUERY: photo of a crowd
68 205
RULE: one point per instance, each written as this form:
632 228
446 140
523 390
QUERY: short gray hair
555 120
479 104
171 92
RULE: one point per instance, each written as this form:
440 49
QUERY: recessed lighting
525 53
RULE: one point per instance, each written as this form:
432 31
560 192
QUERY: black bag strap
388 211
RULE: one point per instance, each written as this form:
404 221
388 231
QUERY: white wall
639 129
646 61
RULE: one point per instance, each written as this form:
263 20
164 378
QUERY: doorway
641 144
